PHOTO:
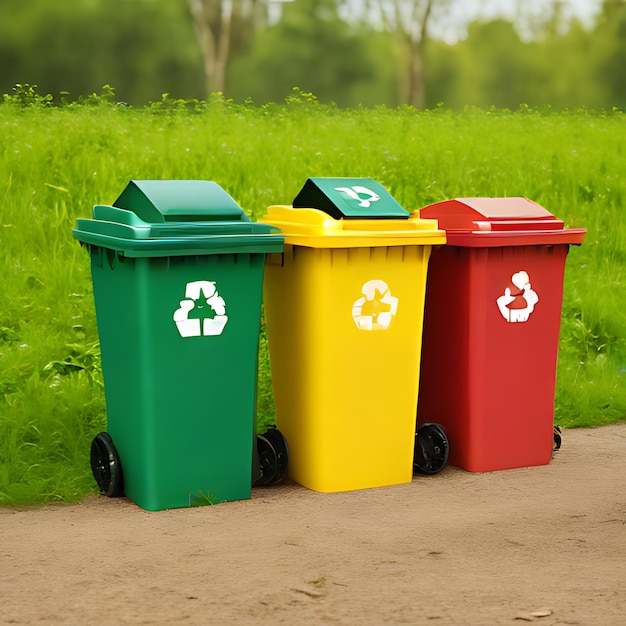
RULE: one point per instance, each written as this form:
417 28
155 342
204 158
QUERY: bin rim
183 246
124 224
122 230
316 229
494 239
500 221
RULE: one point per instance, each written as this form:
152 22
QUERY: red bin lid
499 222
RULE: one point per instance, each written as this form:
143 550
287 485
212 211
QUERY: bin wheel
431 449
557 438
273 457
106 466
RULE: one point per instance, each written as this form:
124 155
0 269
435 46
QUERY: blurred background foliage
344 51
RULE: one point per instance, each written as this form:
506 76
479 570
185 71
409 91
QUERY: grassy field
57 162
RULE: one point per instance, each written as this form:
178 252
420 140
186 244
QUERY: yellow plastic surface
316 229
345 368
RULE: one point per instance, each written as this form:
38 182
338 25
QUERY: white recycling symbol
202 312
376 308
355 192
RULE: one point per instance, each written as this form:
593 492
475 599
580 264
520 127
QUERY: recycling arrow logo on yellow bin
376 308
202 312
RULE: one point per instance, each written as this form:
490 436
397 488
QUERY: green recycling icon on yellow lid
356 192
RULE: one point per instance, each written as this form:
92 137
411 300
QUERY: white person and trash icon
519 300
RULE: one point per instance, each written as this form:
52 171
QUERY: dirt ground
545 545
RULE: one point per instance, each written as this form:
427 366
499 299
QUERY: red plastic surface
488 380
490 222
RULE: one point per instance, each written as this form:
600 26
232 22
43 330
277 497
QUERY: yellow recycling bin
344 309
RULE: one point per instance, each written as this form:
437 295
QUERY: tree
408 21
611 33
75 46
312 48
217 23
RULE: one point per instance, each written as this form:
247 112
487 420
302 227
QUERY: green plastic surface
356 198
180 409
125 232
177 279
179 200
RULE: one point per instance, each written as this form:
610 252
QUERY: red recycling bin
491 330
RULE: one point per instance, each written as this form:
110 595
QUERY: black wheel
557 438
106 467
431 449
273 457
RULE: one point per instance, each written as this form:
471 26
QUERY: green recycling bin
177 271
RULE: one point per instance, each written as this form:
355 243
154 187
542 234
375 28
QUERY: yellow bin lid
314 228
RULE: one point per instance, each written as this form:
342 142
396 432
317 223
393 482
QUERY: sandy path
455 548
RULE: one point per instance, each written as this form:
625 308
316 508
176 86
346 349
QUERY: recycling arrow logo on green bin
362 195
202 312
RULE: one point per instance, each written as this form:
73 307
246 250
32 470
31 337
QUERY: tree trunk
417 90
212 20
408 20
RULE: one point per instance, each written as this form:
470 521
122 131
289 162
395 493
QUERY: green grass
56 163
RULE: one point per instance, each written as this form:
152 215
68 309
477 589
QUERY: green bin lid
164 223
350 198
179 201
